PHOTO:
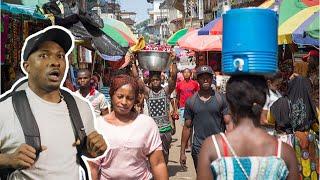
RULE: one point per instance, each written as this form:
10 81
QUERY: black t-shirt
206 117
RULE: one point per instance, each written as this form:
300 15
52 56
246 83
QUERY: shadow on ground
173 169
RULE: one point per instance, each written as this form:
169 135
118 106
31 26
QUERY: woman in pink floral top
134 144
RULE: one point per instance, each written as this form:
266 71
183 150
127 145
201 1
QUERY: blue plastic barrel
250 42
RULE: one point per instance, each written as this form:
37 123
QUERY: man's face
84 79
187 73
155 82
205 81
46 66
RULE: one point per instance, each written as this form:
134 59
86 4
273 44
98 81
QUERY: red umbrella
201 43
217 29
129 39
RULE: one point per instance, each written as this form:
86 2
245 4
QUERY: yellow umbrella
286 29
267 4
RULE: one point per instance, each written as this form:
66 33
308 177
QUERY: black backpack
30 127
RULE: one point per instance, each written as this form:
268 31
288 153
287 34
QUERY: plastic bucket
250 42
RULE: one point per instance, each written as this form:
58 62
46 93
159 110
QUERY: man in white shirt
97 99
45 63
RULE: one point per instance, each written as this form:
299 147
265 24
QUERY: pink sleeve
153 140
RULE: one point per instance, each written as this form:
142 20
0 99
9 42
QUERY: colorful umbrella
213 27
115 35
173 39
313 28
308 32
121 38
287 28
287 8
311 2
201 43
268 4
121 26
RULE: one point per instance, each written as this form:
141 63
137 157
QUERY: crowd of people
253 125
252 131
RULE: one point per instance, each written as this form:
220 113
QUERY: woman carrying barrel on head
247 152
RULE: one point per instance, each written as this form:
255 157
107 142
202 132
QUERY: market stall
17 23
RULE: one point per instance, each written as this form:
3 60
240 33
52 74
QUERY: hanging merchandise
85 55
4 35
84 25
17 23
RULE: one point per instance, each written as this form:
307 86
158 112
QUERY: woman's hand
293 76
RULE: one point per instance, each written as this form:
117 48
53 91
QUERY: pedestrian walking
158 103
133 139
206 112
273 81
86 90
297 123
184 90
246 152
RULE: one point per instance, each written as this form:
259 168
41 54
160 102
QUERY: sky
138 6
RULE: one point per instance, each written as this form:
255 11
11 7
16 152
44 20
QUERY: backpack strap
78 127
28 122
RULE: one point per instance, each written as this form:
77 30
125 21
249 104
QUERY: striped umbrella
268 4
121 38
296 25
115 35
308 32
213 27
195 42
121 26
287 8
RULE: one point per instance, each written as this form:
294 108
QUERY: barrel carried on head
250 41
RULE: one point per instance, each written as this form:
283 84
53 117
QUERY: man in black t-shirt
206 112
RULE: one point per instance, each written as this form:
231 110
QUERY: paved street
175 170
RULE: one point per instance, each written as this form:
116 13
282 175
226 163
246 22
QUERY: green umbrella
115 35
288 8
176 36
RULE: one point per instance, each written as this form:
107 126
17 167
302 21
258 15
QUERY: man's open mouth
54 75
